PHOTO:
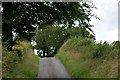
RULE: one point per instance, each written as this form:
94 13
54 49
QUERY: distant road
51 67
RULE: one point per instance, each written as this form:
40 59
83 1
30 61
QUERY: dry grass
85 62
27 67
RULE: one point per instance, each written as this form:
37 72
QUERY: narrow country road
51 67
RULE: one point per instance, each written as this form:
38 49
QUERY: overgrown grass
21 62
84 58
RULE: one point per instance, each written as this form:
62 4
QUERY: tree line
40 21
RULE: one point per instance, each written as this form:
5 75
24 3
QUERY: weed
84 58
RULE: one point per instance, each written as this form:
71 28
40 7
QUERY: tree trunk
44 48
43 53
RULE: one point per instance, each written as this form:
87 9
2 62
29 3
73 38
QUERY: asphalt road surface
51 67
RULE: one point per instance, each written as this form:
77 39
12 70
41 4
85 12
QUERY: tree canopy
51 38
23 18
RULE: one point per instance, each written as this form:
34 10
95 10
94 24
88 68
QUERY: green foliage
21 47
101 50
84 58
9 60
50 38
21 62
27 69
21 20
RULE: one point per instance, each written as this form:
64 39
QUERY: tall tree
21 16
50 38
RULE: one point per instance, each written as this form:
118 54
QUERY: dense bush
9 60
96 50
15 63
86 58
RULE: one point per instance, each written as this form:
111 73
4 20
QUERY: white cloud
112 35
106 28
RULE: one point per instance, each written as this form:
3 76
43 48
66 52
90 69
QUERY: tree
48 39
20 17
51 38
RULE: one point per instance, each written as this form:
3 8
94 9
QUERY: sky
106 29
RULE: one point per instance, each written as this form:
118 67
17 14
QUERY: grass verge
84 58
21 62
